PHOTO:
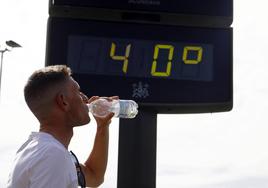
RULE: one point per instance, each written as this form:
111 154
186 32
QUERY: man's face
78 113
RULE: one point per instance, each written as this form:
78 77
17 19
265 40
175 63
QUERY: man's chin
87 121
84 122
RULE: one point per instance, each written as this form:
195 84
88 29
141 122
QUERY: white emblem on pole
140 90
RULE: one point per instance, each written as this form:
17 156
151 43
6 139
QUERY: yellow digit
121 58
192 48
170 56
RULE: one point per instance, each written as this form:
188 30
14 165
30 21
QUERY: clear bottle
121 108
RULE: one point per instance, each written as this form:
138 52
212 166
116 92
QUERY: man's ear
62 101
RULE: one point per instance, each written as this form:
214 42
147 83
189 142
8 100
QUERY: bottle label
123 108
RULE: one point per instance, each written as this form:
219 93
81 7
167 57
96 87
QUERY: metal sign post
137 151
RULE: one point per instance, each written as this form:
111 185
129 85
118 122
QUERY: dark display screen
171 69
140 58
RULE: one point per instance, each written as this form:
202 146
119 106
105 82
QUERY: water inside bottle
128 109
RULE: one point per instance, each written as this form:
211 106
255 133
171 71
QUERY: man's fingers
93 98
114 97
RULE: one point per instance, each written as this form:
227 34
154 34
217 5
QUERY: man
44 161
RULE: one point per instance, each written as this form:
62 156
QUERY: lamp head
12 44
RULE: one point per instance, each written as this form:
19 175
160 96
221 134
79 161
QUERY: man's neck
62 134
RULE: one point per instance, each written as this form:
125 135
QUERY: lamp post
10 44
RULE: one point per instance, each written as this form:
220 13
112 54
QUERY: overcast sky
194 151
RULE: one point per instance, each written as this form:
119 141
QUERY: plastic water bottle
121 108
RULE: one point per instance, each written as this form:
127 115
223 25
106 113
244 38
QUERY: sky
222 150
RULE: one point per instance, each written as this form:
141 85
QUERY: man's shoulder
48 149
38 148
43 161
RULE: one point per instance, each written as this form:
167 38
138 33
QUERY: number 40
157 48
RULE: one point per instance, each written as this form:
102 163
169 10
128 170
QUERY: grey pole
1 66
11 44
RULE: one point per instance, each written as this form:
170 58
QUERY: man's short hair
43 80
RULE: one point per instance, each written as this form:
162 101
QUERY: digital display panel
140 58
171 69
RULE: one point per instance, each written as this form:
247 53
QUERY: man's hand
103 121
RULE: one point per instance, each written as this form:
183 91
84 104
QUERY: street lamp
10 44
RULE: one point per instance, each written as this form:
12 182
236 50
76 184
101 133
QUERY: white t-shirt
42 162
